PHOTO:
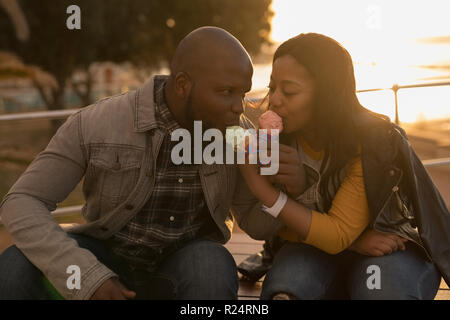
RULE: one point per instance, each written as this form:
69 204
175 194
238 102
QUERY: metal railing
395 88
62 114
43 115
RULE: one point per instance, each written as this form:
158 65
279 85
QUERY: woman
330 248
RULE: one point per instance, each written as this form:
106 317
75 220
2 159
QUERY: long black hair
336 102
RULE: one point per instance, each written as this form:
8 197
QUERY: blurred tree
143 32
51 46
12 8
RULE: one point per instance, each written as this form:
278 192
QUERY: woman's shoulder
367 119
375 129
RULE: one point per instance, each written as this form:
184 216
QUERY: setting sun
390 42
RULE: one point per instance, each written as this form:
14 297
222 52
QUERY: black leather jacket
402 197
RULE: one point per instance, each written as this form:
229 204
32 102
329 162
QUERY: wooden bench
241 246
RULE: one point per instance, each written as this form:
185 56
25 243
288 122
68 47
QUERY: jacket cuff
91 281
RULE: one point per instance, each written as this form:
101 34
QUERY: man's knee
218 277
209 272
19 278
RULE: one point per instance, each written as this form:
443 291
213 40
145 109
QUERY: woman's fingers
283 148
377 253
401 245
287 149
284 179
385 248
391 243
286 169
289 157
399 240
286 154
285 161
377 243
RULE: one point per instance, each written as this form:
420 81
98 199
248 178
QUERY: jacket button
129 207
392 173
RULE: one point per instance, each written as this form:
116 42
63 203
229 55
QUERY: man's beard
189 113
191 117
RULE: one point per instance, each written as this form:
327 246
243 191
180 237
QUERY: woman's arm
331 232
294 215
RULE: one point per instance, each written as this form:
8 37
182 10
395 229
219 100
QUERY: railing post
395 89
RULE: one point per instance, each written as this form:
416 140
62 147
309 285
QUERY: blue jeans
309 274
200 270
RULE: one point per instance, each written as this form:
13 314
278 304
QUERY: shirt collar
146 110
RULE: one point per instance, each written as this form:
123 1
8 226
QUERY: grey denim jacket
114 144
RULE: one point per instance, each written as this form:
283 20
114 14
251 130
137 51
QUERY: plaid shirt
176 212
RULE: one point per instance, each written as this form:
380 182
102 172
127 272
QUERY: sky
390 42
372 30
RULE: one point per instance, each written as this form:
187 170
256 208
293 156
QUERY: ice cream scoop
270 120
234 136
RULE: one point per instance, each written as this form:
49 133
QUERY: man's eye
226 92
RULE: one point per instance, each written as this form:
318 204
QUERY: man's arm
25 212
246 208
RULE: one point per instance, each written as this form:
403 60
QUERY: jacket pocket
112 174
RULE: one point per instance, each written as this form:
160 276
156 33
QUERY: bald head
204 48
210 74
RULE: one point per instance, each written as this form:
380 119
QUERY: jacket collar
144 107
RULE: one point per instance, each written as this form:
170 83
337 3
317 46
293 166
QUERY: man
154 229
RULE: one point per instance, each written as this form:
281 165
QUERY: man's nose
238 106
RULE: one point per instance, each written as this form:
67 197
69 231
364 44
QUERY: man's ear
182 85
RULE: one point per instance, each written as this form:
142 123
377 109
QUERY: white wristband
275 210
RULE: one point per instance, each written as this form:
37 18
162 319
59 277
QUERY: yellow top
347 218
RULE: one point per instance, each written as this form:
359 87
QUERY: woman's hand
259 185
291 173
374 243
